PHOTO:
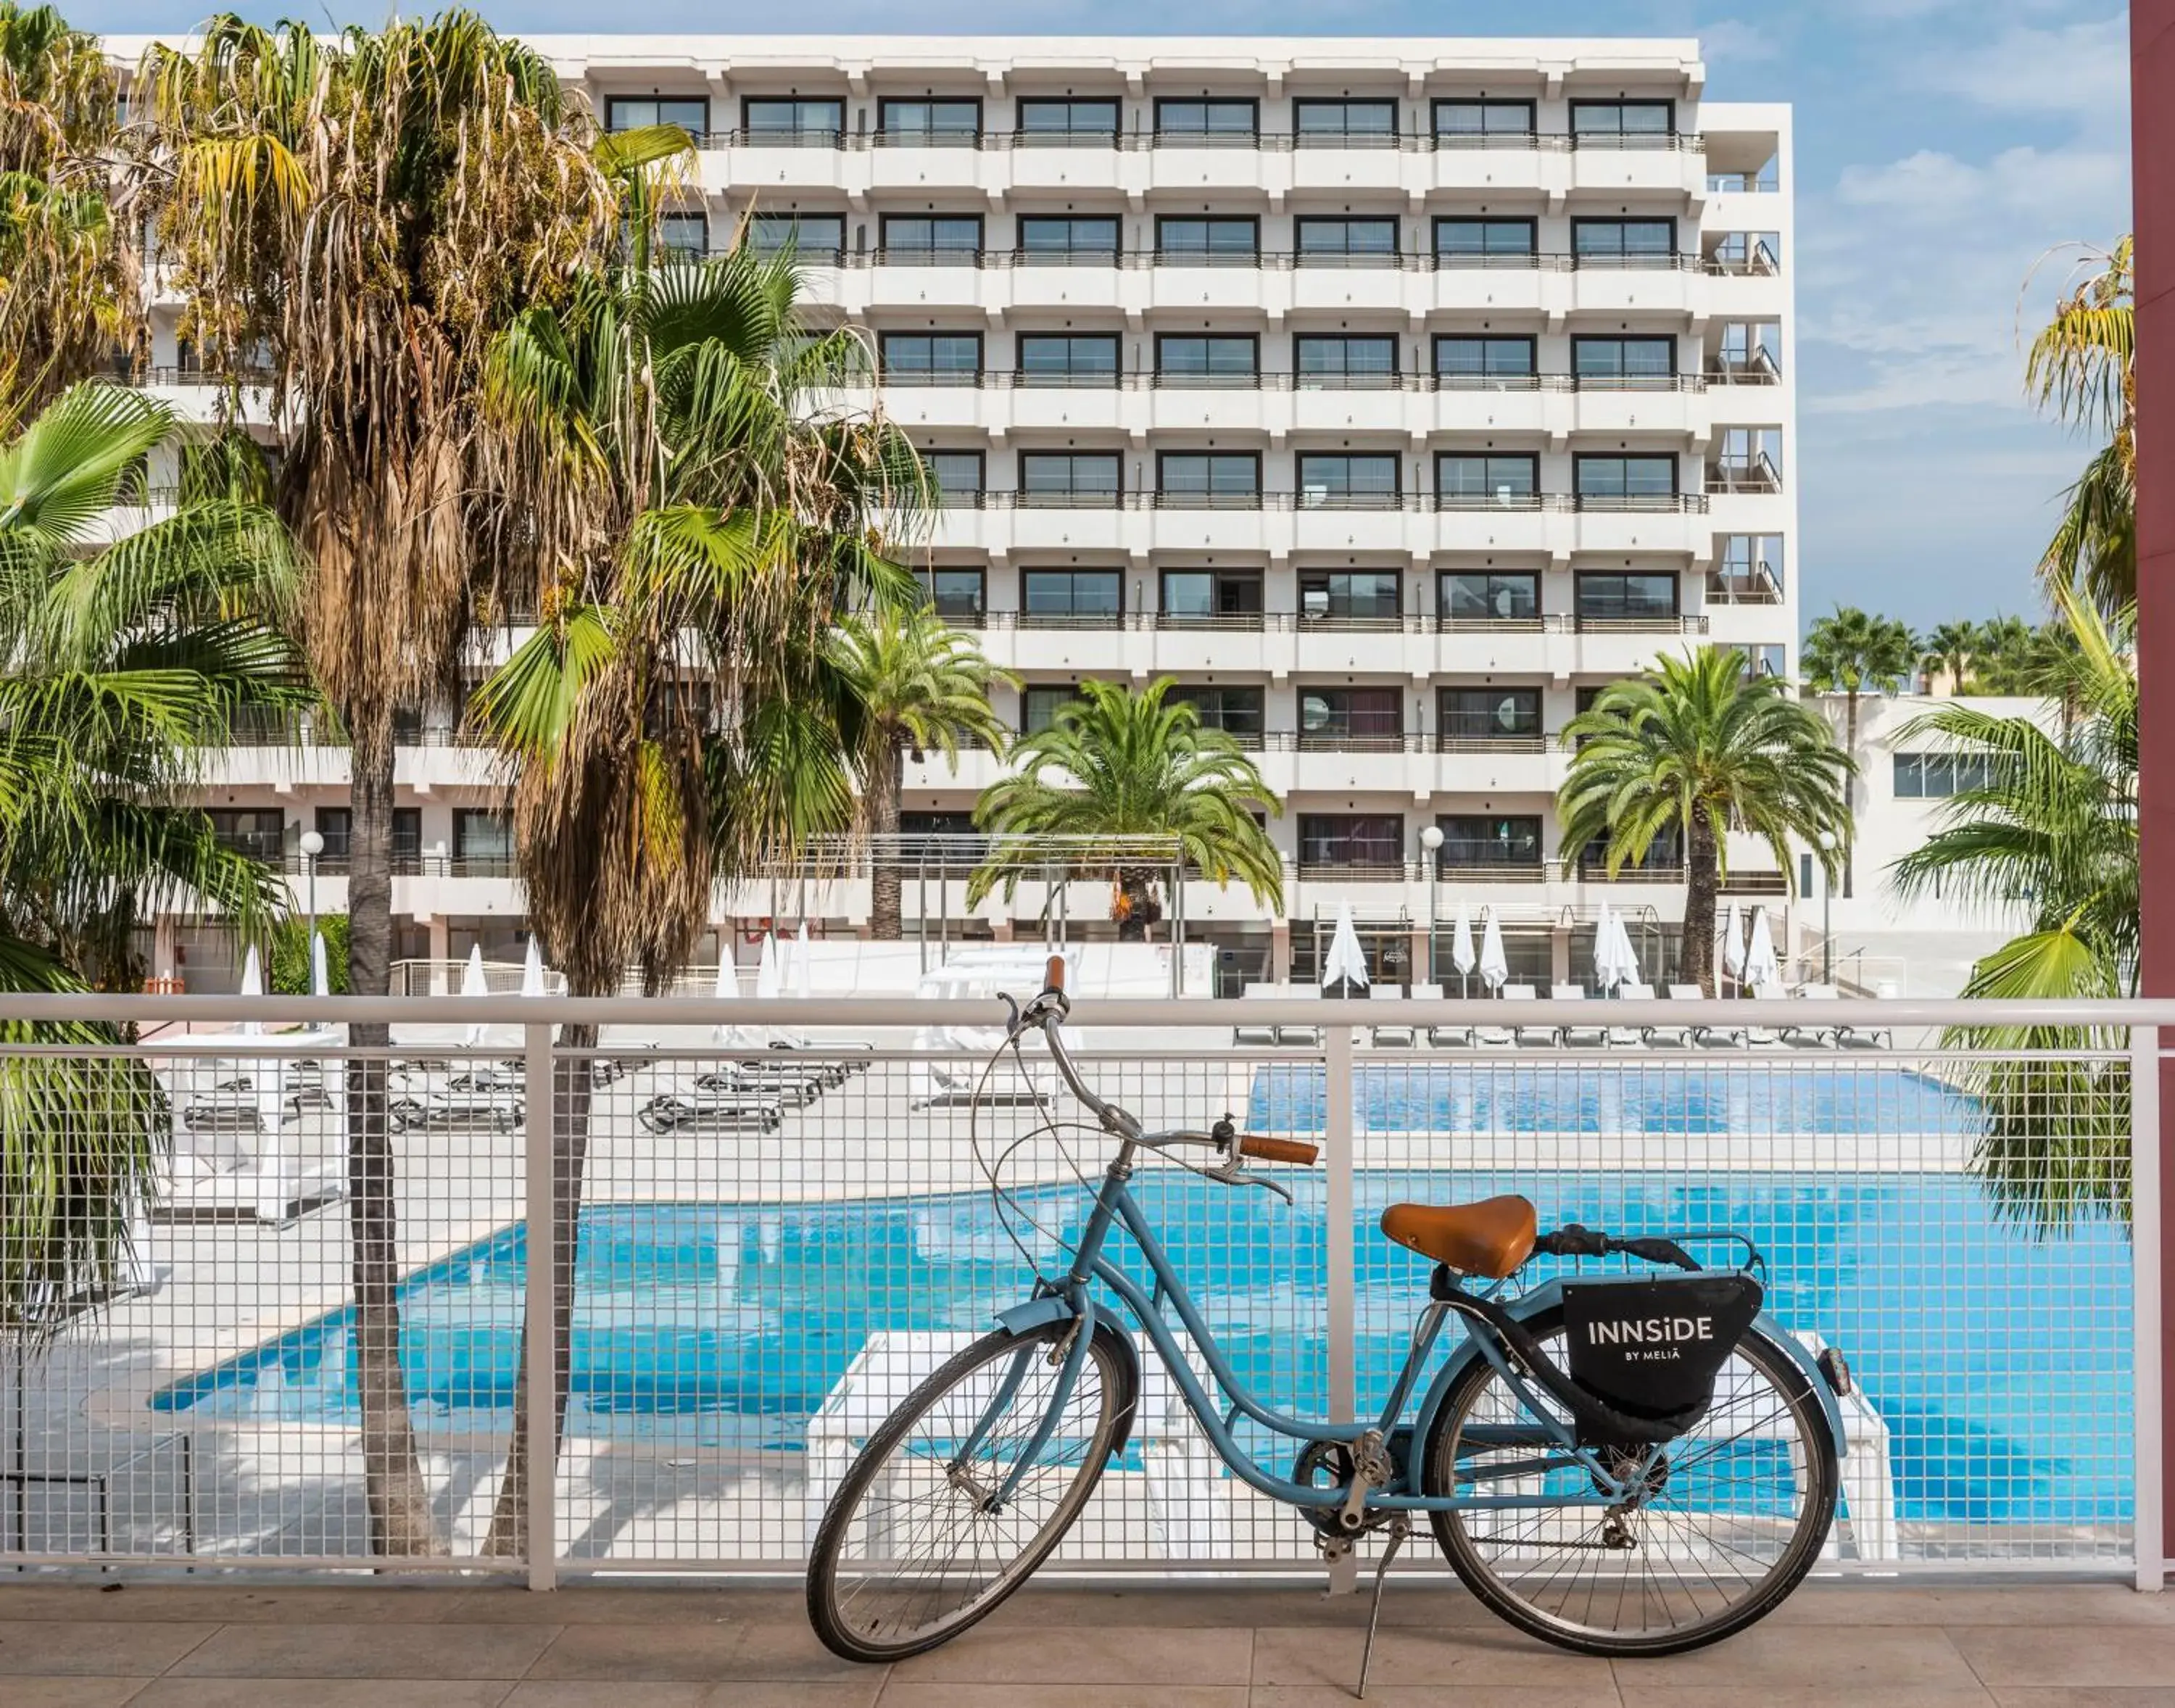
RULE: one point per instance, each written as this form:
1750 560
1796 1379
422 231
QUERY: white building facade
1390 396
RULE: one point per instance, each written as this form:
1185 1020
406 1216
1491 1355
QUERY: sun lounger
1635 1036
1397 1035
1841 1037
1705 1037
1528 1036
1769 1034
1257 1034
1308 1036
1578 1036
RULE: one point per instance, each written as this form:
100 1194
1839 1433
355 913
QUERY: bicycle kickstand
1399 1528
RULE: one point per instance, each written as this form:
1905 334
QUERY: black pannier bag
1652 1349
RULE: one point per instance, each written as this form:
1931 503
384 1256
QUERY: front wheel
951 1506
1730 1516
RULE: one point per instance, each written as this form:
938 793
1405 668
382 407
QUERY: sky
1945 147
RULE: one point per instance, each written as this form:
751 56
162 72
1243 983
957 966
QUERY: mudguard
1033 1314
1549 1294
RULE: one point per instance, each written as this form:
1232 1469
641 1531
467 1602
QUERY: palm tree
1117 764
1947 651
916 685
362 215
2082 368
70 304
2001 662
706 517
1698 749
120 667
2051 830
1849 653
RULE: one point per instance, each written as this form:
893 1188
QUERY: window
1205 595
1626 483
1462 242
1626 123
1331 363
931 358
1369 243
1351 717
1215 479
1664 856
957 595
1239 713
1068 359
336 825
957 475
1749 565
1072 594
407 836
482 834
1467 481
1366 839
691 113
1206 358
1330 124
1490 714
792 120
1611 596
1191 124
1462 123
1220 241
1065 241
1939 776
259 832
1067 479
1623 243
1038 705
1484 364
1364 595
813 235
1067 123
1488 842
1623 364
1346 481
937 835
924 123
1491 596
684 236
946 239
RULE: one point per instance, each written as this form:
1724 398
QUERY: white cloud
2081 70
1731 41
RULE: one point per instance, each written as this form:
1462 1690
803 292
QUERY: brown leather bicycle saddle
1491 1237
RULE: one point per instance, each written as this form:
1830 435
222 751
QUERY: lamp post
1827 910
1431 848
312 845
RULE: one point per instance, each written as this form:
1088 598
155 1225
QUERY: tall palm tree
1947 651
362 214
2001 660
70 301
2082 367
1698 749
1848 653
2051 830
1116 764
916 685
706 516
121 666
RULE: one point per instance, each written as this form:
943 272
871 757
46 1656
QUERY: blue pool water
1667 1099
1999 1361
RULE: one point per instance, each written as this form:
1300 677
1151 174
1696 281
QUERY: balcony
1758 474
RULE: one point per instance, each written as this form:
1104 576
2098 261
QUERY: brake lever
1013 1025
1231 1174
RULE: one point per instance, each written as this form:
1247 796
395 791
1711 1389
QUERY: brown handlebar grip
1279 1150
1053 974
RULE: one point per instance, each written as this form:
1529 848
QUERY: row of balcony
981 260
896 379
1581 503
1261 141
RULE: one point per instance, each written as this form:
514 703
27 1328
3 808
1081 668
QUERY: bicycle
1619 1463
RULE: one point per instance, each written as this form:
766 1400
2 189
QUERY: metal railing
777 1223
1261 141
1269 499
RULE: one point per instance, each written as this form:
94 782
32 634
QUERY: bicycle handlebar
1278 1150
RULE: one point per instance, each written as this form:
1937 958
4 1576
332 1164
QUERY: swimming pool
2000 1362
1541 1098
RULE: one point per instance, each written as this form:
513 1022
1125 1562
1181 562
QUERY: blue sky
1942 146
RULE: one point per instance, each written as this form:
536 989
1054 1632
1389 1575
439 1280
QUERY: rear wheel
922 1539
1732 1514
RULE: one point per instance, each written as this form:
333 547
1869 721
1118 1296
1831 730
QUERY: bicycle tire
1108 1382
1553 1571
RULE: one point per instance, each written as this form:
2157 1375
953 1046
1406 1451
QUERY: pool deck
160 1643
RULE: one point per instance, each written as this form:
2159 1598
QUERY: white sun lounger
1257 1034
1705 1037
1633 1036
1528 1036
1841 1037
1769 1034
1577 1036
1309 1036
1396 1034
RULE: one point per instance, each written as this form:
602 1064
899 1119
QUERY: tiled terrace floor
157 1644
